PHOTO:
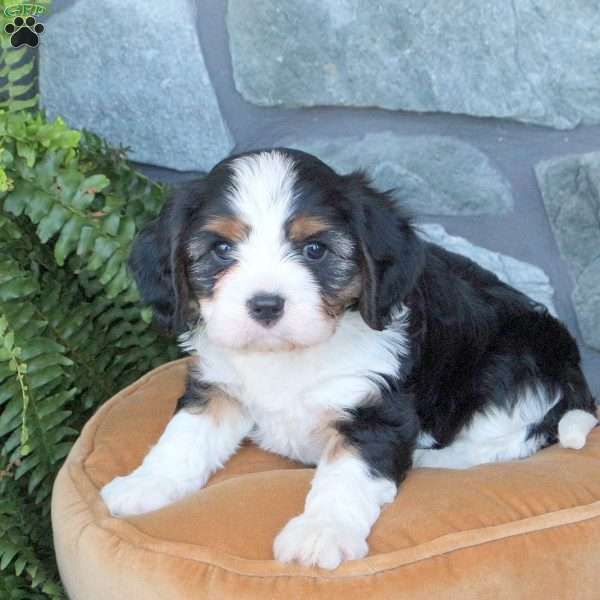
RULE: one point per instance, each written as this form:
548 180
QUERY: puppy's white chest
293 403
294 396
296 436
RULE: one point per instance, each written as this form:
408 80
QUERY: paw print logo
24 32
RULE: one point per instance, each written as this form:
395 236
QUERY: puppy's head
270 249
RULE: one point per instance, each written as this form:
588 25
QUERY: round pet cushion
528 529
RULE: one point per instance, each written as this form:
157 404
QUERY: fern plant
72 332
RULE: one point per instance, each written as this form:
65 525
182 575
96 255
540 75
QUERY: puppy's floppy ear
392 254
158 261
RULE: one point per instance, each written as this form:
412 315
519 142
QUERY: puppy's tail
574 426
572 418
578 416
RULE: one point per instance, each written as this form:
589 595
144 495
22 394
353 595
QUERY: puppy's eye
223 251
314 251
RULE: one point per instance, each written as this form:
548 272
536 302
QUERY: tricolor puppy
325 330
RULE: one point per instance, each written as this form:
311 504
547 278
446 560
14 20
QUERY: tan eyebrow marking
230 228
303 227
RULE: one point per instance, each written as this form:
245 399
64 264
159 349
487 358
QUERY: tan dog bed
527 529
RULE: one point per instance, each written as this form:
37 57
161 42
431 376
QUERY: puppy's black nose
266 308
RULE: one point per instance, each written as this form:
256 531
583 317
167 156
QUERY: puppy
327 331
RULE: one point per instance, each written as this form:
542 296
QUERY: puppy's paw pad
138 493
318 542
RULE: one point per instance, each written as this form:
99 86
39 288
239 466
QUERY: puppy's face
273 264
271 250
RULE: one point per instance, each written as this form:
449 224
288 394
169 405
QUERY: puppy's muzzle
266 309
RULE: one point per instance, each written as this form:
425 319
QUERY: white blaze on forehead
263 190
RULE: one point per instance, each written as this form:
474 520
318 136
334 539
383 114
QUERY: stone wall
483 115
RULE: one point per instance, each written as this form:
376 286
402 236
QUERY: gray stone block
530 60
570 187
527 278
432 174
586 298
134 73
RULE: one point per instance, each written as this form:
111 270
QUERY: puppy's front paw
139 493
314 541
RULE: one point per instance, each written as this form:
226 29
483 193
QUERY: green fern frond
84 214
70 207
32 368
23 547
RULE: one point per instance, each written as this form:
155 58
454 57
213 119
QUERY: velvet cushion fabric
528 529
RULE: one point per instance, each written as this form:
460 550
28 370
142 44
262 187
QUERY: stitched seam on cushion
351 575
